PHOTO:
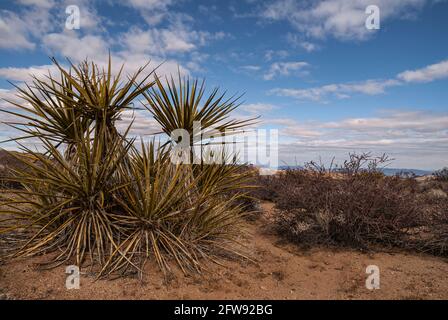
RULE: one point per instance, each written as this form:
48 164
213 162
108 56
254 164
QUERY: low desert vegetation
94 196
356 206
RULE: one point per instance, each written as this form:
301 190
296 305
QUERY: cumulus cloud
427 74
298 42
416 139
24 74
340 19
284 69
35 18
369 87
7 96
251 68
273 54
162 41
143 124
38 3
70 44
13 32
339 90
154 12
257 108
135 47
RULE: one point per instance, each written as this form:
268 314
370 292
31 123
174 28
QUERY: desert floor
280 271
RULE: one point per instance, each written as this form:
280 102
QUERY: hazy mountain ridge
386 171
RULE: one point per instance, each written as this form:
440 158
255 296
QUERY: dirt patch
280 271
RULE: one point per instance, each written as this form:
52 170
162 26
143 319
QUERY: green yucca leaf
178 106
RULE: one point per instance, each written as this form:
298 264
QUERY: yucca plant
94 197
179 106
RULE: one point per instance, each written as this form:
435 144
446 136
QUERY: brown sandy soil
281 271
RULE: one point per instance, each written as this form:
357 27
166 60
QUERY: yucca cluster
95 197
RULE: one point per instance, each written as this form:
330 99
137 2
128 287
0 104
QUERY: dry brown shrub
356 210
357 206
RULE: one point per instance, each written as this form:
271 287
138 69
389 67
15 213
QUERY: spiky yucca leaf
169 217
178 106
84 98
69 202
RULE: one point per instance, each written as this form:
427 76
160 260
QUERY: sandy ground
281 271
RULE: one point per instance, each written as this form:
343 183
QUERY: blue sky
310 68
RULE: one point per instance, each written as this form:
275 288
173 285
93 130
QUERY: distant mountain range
417 172
386 171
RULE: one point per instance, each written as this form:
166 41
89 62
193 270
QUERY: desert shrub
356 211
441 175
266 187
431 236
436 240
364 163
361 208
96 197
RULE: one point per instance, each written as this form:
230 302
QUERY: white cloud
271 54
13 32
95 48
177 38
427 74
150 4
340 91
417 121
370 87
133 61
292 128
153 11
24 74
416 139
284 69
135 49
308 46
251 68
157 41
69 44
257 108
38 3
6 94
297 42
38 18
341 19
143 124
